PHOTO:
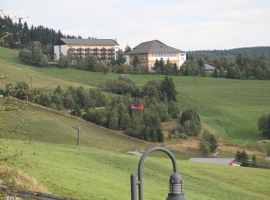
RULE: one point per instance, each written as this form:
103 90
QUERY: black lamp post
176 189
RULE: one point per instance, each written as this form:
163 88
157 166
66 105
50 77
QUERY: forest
231 53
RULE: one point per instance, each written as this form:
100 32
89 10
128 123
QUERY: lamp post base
176 196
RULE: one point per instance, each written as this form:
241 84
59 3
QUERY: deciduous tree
215 73
120 57
262 124
242 157
204 147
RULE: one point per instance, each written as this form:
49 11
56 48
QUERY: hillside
231 53
99 169
228 108
92 173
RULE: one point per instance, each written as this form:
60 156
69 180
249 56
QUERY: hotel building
148 52
103 49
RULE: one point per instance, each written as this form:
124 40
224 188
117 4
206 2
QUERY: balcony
111 53
71 49
80 49
81 53
96 53
104 58
95 49
103 53
103 49
88 49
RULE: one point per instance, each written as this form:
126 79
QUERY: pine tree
173 109
76 111
262 124
268 151
213 144
113 119
244 159
160 135
156 66
268 127
239 59
120 57
221 72
136 61
175 68
191 122
127 49
215 74
162 65
254 160
238 156
168 88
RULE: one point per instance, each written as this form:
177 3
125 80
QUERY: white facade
58 49
127 60
182 58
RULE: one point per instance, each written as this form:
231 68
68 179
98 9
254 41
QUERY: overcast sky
183 24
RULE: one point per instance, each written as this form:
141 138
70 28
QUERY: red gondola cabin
136 106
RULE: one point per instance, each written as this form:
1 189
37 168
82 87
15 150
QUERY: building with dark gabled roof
209 68
149 52
103 49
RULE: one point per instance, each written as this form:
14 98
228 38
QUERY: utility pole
79 128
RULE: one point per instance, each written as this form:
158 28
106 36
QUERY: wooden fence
26 194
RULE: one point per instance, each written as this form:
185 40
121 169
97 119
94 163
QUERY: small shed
209 68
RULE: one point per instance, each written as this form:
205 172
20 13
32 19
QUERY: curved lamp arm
139 182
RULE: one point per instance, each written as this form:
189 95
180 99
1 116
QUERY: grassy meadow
228 108
99 168
93 173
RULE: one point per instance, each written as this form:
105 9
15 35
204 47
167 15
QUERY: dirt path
191 145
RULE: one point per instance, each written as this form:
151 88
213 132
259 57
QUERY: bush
204 147
268 151
76 111
211 139
183 136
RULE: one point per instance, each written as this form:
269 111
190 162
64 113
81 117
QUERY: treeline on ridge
231 53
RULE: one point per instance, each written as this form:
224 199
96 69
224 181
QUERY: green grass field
92 173
228 108
99 168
